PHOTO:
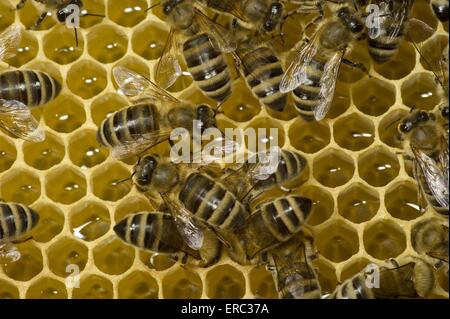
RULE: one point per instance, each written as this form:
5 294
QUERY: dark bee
16 221
158 233
431 237
440 8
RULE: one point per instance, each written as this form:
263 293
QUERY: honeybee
427 146
294 273
194 199
157 232
440 8
312 74
151 120
272 223
392 20
16 222
64 11
21 90
203 43
431 237
411 280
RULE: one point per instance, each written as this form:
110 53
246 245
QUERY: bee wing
398 19
134 84
328 85
434 175
16 118
439 255
139 143
9 40
168 68
188 227
8 253
232 7
217 150
420 28
266 165
443 158
296 73
220 37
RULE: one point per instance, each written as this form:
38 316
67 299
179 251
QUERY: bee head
444 112
351 20
144 170
65 11
153 172
206 115
180 12
274 17
421 128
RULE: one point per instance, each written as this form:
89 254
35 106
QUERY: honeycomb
365 200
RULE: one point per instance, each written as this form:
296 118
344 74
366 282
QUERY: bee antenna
218 107
393 122
76 37
126 179
152 6
93 15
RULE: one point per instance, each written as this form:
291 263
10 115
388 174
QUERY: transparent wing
328 85
8 253
217 150
439 255
434 176
16 118
443 158
9 39
187 225
296 73
220 37
232 7
139 143
399 17
168 68
420 29
266 163
134 84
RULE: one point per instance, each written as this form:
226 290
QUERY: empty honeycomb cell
352 268
148 40
326 275
433 50
28 266
31 12
94 287
341 101
358 203
8 153
7 16
378 166
130 206
64 114
333 168
354 132
127 13
7 289
47 288
384 239
420 90
225 282
244 107
107 43
65 253
442 278
158 262
400 65
85 151
373 96
268 133
65 184
359 55
60 46
309 136
262 284
182 83
289 112
402 201
182 284
108 182
337 241
322 203
45 154
94 7
138 285
423 12
20 186
89 220
388 128
113 256
25 51
86 78
51 222
104 105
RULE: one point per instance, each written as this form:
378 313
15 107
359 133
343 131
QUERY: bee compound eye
405 127
423 116
167 8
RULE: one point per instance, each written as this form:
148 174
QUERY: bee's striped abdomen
431 200
208 67
384 47
306 95
212 202
291 166
32 88
263 73
298 283
353 288
16 220
126 124
153 231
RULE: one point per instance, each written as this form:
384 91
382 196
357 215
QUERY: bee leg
39 21
21 4
22 240
360 66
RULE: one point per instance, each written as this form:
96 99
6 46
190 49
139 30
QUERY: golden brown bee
157 232
431 237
